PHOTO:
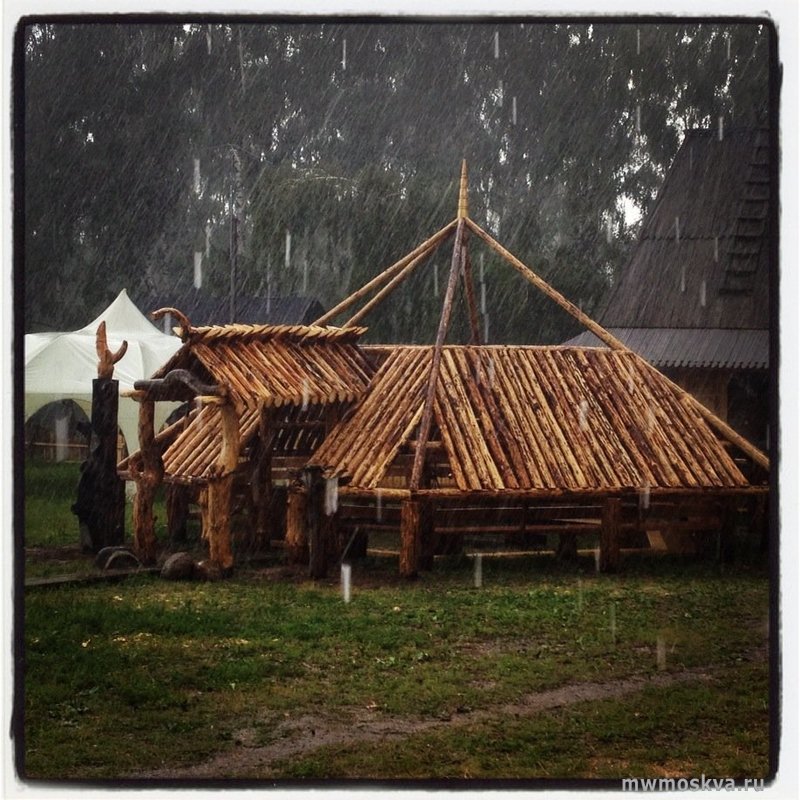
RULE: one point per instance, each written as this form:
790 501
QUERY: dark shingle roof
691 347
702 259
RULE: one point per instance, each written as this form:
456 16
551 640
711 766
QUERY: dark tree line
341 143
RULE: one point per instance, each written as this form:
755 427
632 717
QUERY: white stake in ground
478 575
346 574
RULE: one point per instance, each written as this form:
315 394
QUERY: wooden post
261 484
148 476
217 509
177 498
433 378
609 534
428 540
315 523
410 513
217 522
296 539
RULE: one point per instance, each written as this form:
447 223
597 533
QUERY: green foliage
350 136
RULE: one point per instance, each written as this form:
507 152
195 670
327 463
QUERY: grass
121 679
718 729
115 672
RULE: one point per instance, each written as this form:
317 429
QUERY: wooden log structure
147 474
100 501
320 529
615 344
296 538
410 529
433 377
261 482
216 510
609 534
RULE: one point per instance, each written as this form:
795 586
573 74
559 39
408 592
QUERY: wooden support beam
261 481
609 534
217 508
296 539
316 529
433 378
609 339
384 276
410 512
148 476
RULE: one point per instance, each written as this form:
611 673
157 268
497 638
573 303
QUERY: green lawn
130 677
127 678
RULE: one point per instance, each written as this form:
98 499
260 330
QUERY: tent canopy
63 365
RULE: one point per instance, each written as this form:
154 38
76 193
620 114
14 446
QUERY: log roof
275 365
533 419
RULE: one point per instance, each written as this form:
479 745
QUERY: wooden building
436 440
260 399
694 299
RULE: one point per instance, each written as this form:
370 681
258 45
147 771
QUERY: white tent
61 366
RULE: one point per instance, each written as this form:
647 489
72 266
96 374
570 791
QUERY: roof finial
462 192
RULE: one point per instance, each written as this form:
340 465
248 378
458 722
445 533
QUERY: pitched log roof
275 365
538 419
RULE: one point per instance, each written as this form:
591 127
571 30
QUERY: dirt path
302 735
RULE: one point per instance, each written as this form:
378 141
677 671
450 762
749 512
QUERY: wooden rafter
444 324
